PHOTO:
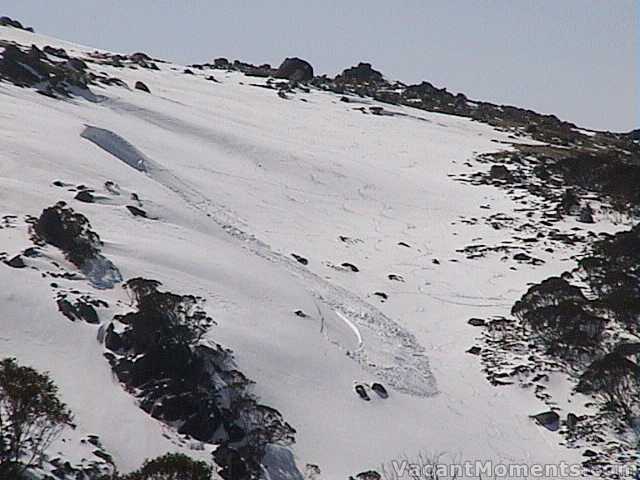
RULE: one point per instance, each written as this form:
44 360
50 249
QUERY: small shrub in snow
172 466
71 232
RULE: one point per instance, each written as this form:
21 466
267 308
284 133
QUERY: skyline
576 59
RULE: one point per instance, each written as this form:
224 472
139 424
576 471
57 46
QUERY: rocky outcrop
363 72
155 351
34 68
10 22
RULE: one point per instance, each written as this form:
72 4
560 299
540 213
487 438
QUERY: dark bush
31 417
616 380
71 232
194 387
172 466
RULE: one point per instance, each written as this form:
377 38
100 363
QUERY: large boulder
363 72
295 69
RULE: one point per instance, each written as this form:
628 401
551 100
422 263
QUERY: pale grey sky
577 59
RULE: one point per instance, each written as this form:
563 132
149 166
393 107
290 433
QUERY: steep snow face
234 179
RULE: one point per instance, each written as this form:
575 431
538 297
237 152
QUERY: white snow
239 179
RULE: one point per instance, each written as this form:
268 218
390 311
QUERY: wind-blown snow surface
237 179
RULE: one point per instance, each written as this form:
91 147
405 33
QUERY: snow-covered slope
236 179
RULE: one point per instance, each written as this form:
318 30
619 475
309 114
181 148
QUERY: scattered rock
16 262
500 172
549 420
368 475
586 214
221 63
382 295
137 212
85 196
380 390
9 22
362 392
403 244
80 311
300 259
141 86
350 266
301 314
397 278
56 52
435 261
572 420
474 350
476 322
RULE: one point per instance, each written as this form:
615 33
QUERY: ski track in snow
385 349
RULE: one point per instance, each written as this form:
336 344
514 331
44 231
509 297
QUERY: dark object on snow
435 261
221 63
362 392
137 212
403 244
300 313
56 52
572 420
79 311
500 172
476 322
380 390
586 214
141 86
10 22
71 232
16 262
85 196
397 278
360 73
474 350
368 475
549 420
188 71
381 295
295 69
350 266
300 259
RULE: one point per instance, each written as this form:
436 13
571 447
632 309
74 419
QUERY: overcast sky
577 59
